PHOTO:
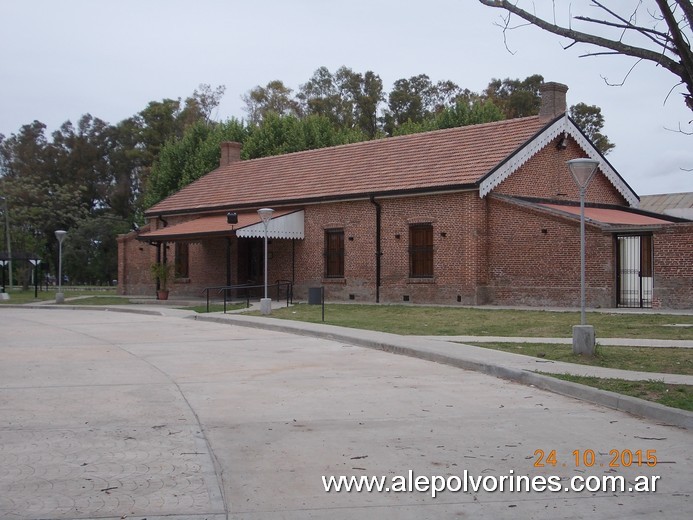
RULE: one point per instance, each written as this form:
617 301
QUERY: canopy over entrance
284 224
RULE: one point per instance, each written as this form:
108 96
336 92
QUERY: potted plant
163 273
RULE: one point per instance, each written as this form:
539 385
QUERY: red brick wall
534 259
673 267
547 175
459 216
358 221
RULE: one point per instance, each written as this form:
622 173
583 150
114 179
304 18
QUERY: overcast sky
62 59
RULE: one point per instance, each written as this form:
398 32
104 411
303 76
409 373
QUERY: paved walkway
135 415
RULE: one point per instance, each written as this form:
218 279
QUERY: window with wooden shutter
421 251
334 253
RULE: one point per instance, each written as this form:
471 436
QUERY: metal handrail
225 289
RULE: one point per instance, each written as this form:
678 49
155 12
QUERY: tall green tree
81 159
366 93
409 100
515 97
274 98
323 95
590 120
183 160
90 255
463 113
350 100
277 135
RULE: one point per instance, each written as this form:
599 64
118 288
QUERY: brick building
484 214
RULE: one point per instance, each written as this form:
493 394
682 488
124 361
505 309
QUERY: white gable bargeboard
290 225
562 125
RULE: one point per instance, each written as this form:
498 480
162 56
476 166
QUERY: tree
90 256
80 159
347 98
201 104
463 113
515 97
274 98
365 92
664 38
409 100
25 153
590 120
277 135
37 208
322 95
181 161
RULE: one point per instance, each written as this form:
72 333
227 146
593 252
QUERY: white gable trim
560 126
290 225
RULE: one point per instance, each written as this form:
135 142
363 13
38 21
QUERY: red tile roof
609 216
445 158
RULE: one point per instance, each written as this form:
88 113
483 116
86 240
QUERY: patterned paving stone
92 472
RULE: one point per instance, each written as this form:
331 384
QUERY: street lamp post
35 262
266 302
7 239
59 296
582 171
3 294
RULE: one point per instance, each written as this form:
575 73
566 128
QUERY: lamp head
60 235
582 170
265 214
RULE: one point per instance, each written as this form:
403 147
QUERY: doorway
634 271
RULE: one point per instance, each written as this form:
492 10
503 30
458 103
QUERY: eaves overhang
303 201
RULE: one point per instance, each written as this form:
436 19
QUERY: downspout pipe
228 261
378 247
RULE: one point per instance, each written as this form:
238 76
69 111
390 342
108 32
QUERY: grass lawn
451 321
664 360
676 396
18 297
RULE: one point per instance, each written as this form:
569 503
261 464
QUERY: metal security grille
634 271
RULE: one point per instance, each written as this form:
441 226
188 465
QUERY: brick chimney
553 102
230 153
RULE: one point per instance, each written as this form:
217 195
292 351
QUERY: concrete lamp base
59 297
265 306
583 340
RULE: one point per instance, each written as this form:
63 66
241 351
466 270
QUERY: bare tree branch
673 43
648 33
687 8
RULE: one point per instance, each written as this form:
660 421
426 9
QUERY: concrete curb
428 351
62 306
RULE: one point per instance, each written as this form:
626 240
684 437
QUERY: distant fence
282 289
